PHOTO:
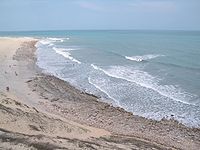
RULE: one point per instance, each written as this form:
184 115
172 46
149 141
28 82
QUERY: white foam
96 68
64 49
49 41
98 87
50 45
45 42
148 81
66 54
142 58
57 39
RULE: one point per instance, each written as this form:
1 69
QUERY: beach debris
35 109
7 89
29 81
34 128
16 73
54 99
92 95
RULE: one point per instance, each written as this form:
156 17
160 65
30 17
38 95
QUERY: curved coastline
113 124
93 100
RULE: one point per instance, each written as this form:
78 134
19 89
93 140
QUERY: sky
26 15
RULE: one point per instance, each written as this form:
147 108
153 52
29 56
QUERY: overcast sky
99 14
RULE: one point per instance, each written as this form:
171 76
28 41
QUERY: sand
40 111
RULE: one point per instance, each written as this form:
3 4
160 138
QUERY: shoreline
60 99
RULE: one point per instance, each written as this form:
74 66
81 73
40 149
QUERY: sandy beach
40 111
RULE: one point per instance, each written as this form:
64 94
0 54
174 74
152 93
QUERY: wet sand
40 111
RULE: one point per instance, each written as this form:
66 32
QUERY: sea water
154 74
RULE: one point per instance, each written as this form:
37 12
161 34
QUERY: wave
66 54
148 81
49 41
44 42
58 39
96 68
142 58
63 49
99 88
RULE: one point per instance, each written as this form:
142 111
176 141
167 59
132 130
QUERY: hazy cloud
90 5
99 14
153 6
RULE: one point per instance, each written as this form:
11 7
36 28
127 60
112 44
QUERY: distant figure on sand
7 89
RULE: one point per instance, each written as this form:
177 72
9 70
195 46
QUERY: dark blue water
151 73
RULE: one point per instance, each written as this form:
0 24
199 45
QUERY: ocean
153 74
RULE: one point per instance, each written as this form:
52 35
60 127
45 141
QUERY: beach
41 111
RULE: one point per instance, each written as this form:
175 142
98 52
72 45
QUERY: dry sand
40 111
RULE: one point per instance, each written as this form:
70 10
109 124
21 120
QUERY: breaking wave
142 58
66 54
146 80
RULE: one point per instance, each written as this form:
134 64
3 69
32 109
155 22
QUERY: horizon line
100 30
